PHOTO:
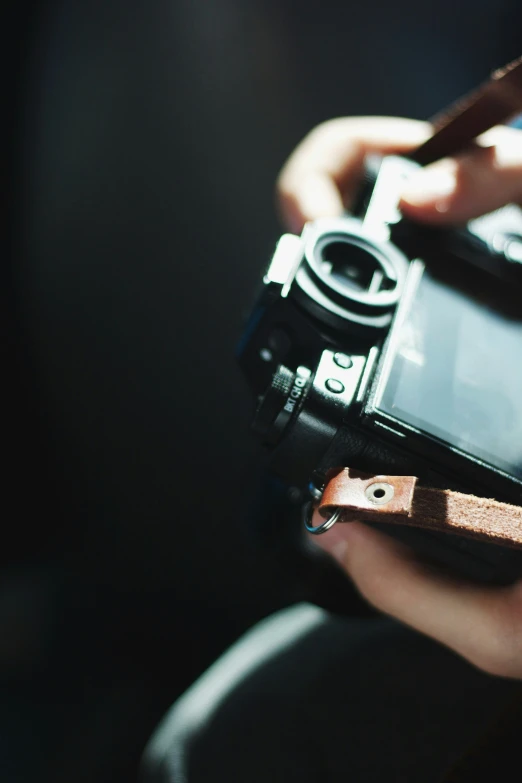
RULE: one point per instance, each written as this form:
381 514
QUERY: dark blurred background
144 137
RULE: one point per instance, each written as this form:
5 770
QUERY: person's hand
483 624
321 176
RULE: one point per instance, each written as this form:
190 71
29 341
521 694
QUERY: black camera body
395 348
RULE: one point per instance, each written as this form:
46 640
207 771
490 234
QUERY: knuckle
282 185
501 649
332 133
287 185
324 130
376 588
495 661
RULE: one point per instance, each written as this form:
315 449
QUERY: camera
395 348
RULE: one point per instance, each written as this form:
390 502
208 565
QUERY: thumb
455 190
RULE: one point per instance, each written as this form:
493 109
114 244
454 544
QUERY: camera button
379 493
334 386
342 360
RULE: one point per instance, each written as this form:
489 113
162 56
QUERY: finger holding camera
320 179
321 176
482 624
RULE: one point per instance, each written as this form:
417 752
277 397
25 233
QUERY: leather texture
402 500
496 101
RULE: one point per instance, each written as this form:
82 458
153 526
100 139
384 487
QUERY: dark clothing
312 697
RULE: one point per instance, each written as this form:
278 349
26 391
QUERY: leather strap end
401 500
381 495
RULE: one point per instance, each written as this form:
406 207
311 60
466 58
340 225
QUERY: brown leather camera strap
402 500
496 101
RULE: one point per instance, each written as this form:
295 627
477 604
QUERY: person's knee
243 696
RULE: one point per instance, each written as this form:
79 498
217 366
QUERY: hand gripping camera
394 348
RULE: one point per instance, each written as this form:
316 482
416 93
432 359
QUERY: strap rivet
379 493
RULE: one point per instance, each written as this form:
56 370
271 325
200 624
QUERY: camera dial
280 401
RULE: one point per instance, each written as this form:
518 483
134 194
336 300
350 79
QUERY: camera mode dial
280 402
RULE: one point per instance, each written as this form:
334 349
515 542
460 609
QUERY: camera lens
352 267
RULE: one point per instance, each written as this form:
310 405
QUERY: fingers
483 624
455 190
321 176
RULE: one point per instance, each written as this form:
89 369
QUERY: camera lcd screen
455 368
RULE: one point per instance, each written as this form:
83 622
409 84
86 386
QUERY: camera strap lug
350 496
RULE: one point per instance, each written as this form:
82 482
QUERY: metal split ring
308 511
